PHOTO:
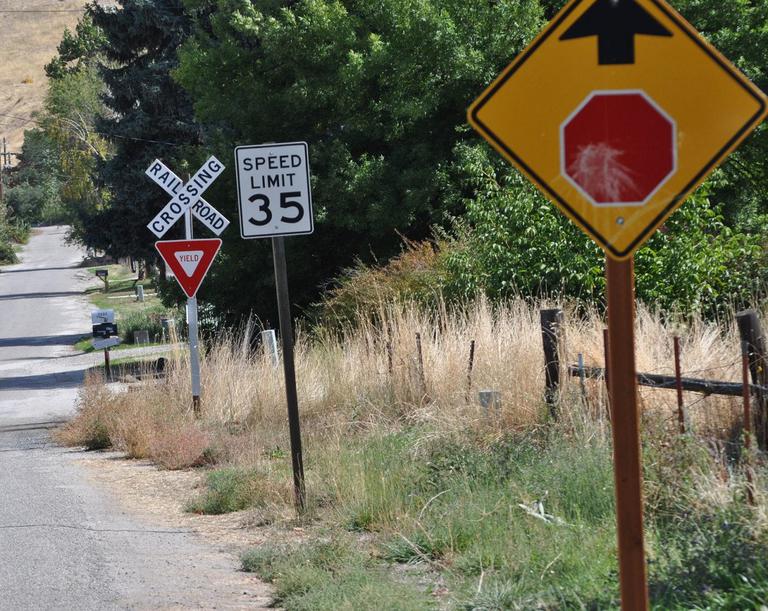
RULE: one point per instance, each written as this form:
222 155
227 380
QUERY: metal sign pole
626 434
286 337
194 348
107 367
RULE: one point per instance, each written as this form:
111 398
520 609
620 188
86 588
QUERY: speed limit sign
273 190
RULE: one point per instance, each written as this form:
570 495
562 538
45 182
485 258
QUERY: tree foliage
512 242
377 89
72 108
33 196
148 116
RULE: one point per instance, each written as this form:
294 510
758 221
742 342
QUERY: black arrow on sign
615 23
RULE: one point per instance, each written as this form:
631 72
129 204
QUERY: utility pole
2 172
5 160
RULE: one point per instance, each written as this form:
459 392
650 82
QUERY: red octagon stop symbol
618 148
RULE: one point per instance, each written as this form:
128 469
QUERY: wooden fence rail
654 380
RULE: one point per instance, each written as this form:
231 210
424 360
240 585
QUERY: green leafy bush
227 490
149 319
714 560
515 242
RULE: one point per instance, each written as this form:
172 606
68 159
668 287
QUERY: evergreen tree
150 116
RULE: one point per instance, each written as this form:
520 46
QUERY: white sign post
273 192
194 340
188 201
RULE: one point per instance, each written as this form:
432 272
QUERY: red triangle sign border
168 250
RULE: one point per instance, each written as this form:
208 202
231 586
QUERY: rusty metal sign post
617 111
627 468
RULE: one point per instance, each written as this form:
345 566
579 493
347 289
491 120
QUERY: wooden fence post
745 360
751 332
679 386
551 335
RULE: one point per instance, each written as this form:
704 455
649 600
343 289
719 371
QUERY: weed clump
235 488
94 420
334 574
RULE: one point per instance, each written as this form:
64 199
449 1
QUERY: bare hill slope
30 30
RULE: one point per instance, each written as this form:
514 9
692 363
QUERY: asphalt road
64 544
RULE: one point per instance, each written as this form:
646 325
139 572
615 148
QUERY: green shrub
713 560
19 231
7 252
513 241
228 490
148 319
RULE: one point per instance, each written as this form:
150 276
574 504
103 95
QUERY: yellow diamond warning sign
617 111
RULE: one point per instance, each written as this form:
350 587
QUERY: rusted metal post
420 357
470 366
626 434
551 325
747 422
390 351
679 386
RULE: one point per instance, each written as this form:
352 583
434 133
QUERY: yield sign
189 260
618 111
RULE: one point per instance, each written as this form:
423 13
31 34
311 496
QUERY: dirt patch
158 497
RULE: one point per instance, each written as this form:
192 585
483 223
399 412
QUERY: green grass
710 560
235 488
525 522
334 574
85 344
130 315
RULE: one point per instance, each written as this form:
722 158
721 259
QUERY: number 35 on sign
273 190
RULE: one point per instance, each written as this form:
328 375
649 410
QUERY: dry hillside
31 30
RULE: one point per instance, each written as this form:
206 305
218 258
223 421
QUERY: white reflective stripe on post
172 184
187 196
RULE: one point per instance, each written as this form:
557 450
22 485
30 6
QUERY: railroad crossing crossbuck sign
188 259
618 111
186 195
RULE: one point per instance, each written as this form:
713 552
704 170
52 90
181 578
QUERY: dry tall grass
369 377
